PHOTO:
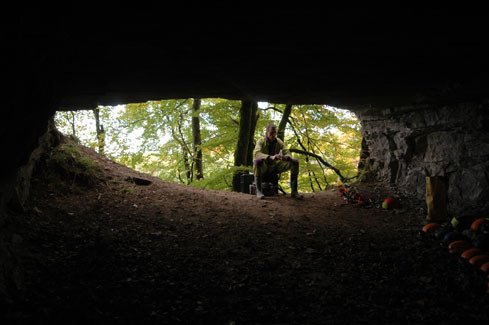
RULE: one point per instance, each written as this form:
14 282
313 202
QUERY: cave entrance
159 138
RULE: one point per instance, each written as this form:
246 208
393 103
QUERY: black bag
268 189
245 181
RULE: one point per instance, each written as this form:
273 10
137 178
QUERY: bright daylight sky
135 137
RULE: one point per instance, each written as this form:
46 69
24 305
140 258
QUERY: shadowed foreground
115 251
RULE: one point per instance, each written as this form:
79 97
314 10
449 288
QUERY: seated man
270 155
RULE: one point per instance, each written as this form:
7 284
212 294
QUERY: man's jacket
264 149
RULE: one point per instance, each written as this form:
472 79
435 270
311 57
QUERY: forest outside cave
158 138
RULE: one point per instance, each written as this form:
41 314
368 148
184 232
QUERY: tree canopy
158 137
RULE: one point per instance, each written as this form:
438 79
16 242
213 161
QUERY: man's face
272 134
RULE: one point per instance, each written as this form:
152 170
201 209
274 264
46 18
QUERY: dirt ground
119 252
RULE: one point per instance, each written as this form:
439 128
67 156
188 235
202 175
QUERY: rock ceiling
346 58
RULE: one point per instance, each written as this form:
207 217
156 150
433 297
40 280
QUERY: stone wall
405 145
14 191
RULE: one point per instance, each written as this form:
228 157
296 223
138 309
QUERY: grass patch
69 162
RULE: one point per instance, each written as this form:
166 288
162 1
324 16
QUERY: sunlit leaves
150 137
331 133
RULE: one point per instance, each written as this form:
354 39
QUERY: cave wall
29 103
405 145
349 58
24 138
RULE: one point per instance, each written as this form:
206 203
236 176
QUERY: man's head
271 132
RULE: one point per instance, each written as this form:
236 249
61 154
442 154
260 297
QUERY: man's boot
293 186
259 193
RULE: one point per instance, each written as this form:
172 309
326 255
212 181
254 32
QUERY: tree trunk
185 151
197 141
241 152
188 168
283 122
178 136
72 122
100 131
243 133
251 137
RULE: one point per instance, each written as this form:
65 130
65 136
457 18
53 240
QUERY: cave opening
156 137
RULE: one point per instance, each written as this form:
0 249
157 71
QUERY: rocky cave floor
118 252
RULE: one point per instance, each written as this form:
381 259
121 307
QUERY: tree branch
324 162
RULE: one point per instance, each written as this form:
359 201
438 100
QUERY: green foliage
155 137
329 132
219 179
68 161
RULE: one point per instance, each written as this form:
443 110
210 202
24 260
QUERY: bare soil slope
113 251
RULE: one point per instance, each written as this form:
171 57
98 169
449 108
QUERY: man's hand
279 157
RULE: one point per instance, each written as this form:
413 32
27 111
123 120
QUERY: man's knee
259 162
294 166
